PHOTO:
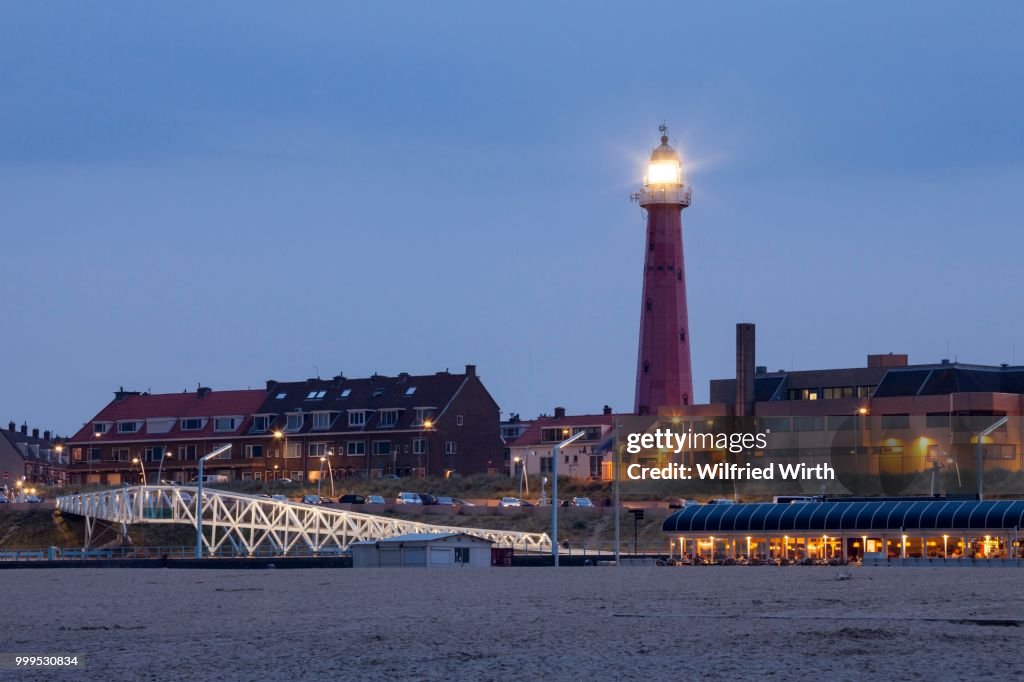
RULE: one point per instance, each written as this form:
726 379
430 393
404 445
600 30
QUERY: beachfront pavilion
884 529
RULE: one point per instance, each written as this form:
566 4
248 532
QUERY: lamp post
142 468
330 471
980 452
282 437
554 487
160 469
320 478
199 497
427 425
519 465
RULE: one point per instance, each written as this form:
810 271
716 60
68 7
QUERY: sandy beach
520 623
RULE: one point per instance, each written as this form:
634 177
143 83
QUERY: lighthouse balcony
648 196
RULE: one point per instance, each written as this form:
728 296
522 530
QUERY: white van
212 478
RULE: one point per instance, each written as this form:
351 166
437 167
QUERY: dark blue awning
853 517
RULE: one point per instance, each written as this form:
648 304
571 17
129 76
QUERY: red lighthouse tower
663 375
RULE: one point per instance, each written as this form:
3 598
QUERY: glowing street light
556 453
199 497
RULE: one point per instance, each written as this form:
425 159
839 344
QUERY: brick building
405 425
31 457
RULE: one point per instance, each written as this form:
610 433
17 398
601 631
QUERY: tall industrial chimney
744 369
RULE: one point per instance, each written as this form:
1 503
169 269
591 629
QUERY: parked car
32 499
311 499
679 503
279 498
462 503
446 501
375 499
582 502
427 498
3 499
408 498
513 502
354 499
721 501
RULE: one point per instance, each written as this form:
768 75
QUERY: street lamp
142 467
518 462
428 424
199 497
160 469
554 487
320 478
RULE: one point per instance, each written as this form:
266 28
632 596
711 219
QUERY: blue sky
225 193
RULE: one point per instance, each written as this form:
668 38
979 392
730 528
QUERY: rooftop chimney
11 426
744 369
35 433
271 385
46 435
887 360
24 429
607 409
559 412
471 370
203 391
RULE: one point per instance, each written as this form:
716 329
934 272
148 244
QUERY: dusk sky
229 192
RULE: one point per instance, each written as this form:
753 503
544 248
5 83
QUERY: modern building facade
31 457
888 417
663 373
437 424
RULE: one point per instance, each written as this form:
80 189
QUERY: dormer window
422 415
261 423
99 428
191 424
357 417
295 422
127 427
316 395
226 423
388 418
322 420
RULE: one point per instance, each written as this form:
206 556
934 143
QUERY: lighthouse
663 375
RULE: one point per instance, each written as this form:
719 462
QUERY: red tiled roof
178 406
532 435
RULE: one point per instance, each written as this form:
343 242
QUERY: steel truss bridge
254 524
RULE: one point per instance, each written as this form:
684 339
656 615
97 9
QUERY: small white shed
427 550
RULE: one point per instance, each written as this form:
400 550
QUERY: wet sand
594 623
